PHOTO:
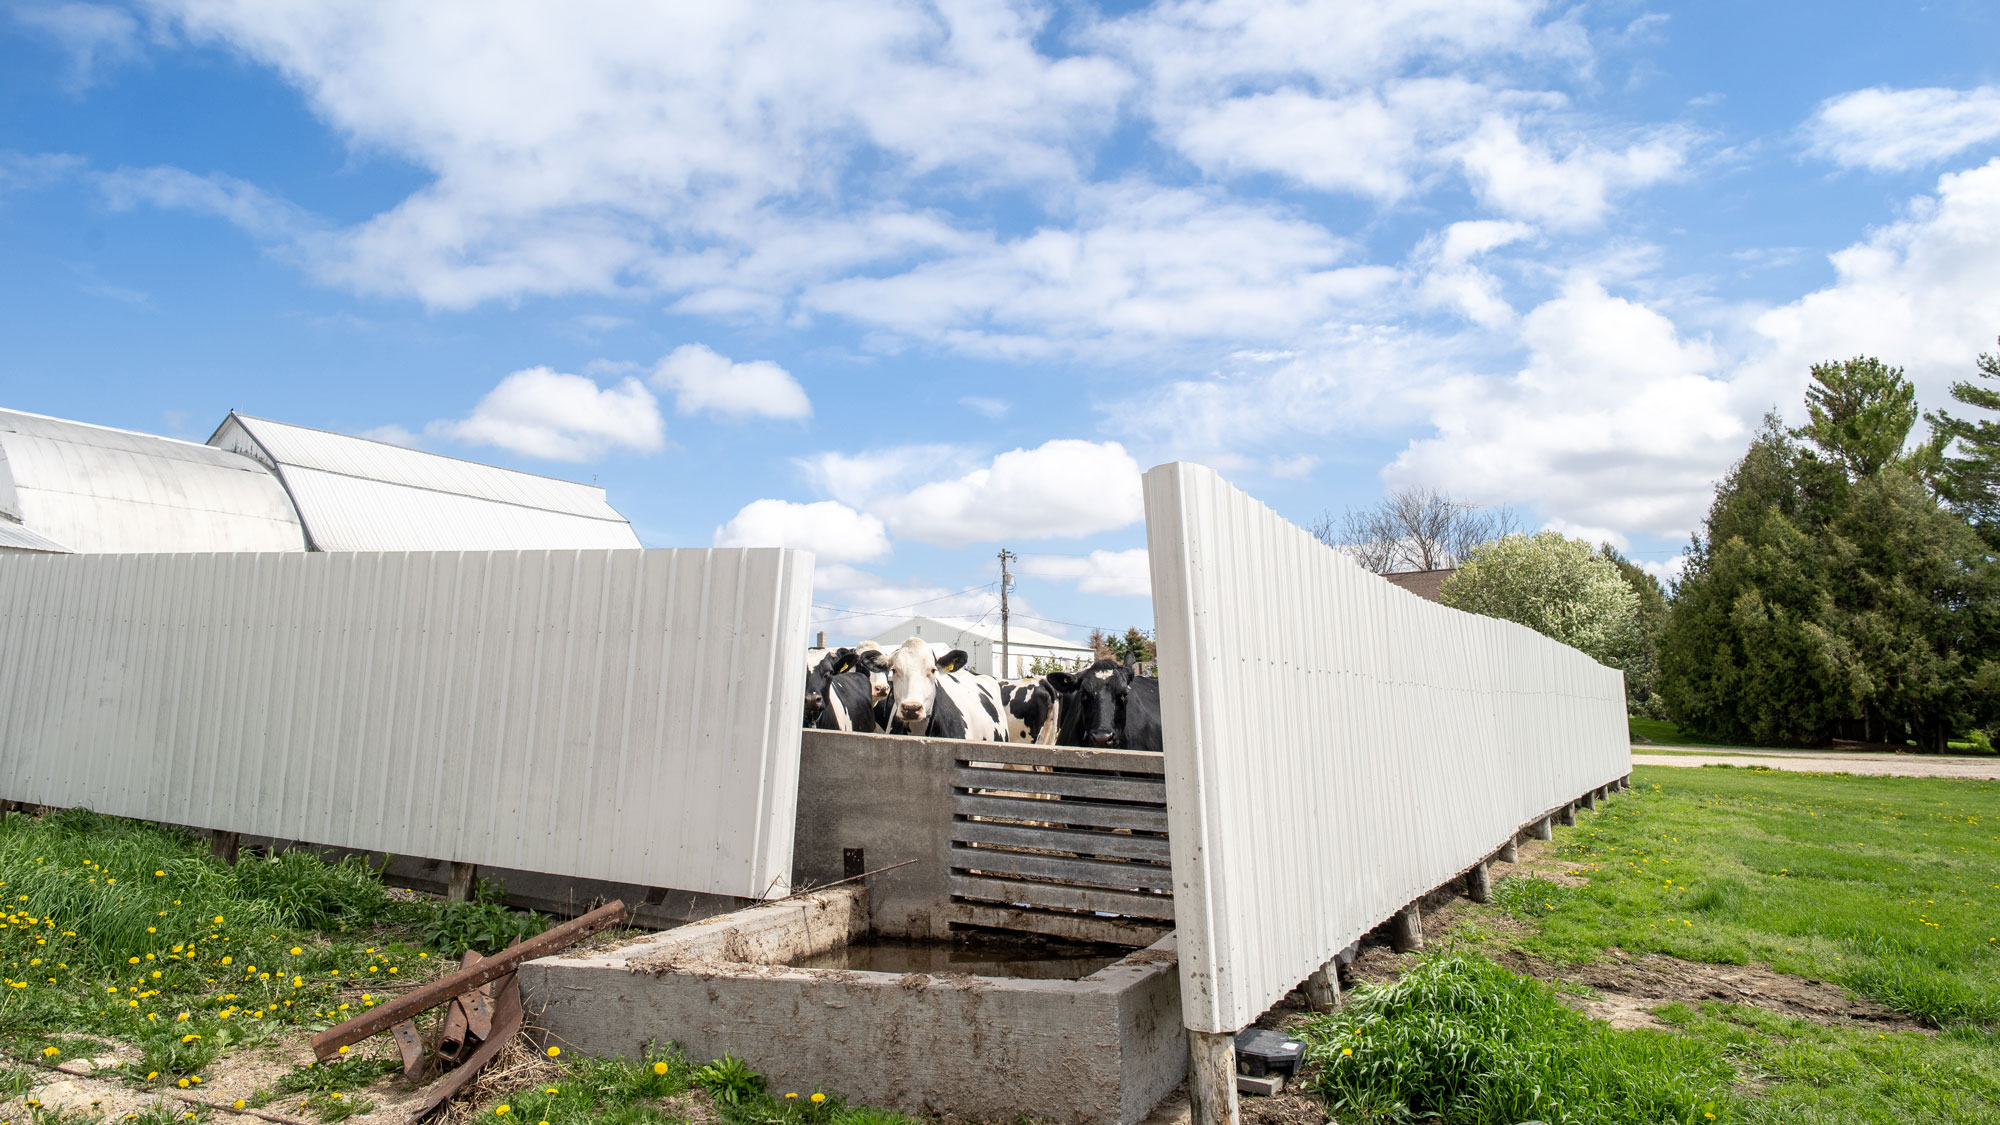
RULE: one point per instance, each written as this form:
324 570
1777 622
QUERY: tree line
1845 583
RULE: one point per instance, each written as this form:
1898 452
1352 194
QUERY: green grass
133 932
580 1091
1458 1038
1890 886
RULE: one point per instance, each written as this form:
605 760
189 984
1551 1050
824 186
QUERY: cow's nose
815 701
911 710
1102 737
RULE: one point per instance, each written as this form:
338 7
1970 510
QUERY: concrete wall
890 797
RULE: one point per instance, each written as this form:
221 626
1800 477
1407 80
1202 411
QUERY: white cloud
564 156
858 479
1115 573
834 532
1922 293
1892 130
1140 263
1668 571
543 413
96 36
1063 488
1616 421
1572 188
994 409
703 380
1450 279
392 434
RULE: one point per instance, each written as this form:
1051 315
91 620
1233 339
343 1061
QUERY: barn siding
622 715
1335 746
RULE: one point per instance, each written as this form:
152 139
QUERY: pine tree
1969 476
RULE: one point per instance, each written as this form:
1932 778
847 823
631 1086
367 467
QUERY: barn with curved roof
355 494
73 487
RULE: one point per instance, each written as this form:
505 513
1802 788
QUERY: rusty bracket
411 1045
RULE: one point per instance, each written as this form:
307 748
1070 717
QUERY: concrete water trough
998 1027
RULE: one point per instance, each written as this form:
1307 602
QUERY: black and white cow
839 695
1117 710
1033 711
934 699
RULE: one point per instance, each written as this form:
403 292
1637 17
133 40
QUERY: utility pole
1006 580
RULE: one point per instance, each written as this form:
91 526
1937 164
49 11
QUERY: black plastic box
1261 1052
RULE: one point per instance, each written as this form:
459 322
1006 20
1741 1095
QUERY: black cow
1115 709
839 696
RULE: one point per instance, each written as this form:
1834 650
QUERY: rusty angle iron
485 1009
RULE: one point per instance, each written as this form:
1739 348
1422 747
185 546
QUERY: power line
852 612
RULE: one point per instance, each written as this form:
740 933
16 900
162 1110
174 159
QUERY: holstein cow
1118 710
869 658
839 696
1033 711
933 699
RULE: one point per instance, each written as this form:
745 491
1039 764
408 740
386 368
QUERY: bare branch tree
1414 529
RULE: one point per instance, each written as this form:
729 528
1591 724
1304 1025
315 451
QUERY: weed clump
1461 1039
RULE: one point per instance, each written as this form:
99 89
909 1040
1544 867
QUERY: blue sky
908 283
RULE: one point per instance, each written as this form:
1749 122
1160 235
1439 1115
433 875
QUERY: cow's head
819 680
913 670
1100 691
869 658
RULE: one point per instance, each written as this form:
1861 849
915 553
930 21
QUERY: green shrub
481 924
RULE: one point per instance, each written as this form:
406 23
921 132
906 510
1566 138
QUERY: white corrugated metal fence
1335 746
621 715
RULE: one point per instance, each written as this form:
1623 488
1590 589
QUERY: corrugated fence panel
620 715
1336 747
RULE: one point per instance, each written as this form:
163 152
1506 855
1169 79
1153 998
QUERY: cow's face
819 680
1101 690
869 658
913 670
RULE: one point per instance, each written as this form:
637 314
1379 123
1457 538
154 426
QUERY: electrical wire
852 612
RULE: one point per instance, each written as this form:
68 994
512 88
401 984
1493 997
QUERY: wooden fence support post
1406 930
1322 988
223 846
1212 1077
1541 830
1510 852
463 875
1566 816
1479 884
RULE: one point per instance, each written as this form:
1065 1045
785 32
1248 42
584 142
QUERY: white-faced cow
839 696
934 699
1118 710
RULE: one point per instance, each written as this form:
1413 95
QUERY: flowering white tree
1557 586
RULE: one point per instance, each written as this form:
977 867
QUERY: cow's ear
1061 681
952 661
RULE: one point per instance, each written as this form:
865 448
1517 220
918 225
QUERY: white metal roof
14 537
938 630
93 489
354 494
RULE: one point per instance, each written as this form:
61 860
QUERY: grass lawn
1660 732
127 944
1889 887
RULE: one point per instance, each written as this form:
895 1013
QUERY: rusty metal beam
506 1024
383 1017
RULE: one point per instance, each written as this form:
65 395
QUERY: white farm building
71 487
981 642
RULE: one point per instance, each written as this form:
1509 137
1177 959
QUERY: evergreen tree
1969 475
1830 594
1641 661
1859 414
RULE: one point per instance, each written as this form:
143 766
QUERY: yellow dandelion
554 1051
661 1068
50 1052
